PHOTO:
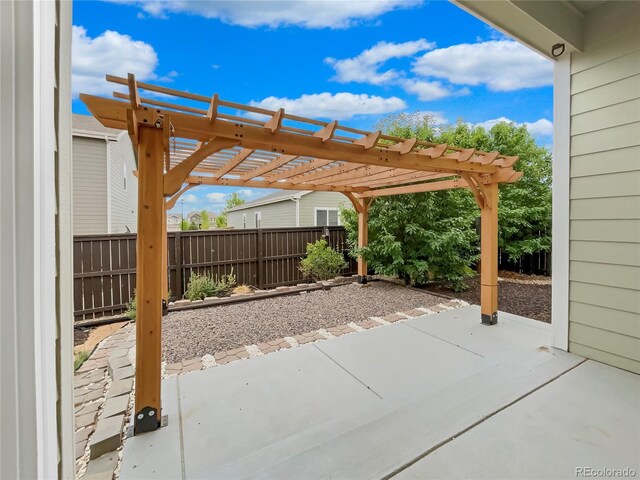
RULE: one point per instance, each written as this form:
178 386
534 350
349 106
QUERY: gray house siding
313 200
89 186
279 214
123 201
604 270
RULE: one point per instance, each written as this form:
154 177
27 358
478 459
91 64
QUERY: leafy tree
184 224
193 226
233 201
431 236
221 221
204 224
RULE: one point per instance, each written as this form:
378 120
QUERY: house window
244 220
327 217
124 176
257 219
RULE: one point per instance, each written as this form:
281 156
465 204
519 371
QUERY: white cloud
431 90
110 52
338 106
246 192
539 128
216 197
501 65
364 67
257 13
190 198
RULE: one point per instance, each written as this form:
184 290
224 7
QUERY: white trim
100 136
258 202
561 185
328 209
257 219
297 200
29 309
109 186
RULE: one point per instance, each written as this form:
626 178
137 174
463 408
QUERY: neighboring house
292 208
596 170
173 222
196 217
105 191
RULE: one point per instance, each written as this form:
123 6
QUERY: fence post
260 259
178 255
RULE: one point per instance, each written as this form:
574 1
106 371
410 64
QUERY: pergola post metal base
180 146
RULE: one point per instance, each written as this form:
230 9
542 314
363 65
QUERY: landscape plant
233 201
132 308
321 261
432 236
204 224
202 285
79 358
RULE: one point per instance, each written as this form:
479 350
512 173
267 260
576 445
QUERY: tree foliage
184 224
322 262
204 224
234 200
431 236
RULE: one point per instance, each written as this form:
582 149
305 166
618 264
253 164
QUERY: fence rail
105 265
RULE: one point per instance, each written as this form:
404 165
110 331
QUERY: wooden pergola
184 140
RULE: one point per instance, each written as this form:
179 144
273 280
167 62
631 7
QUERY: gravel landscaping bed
193 333
531 300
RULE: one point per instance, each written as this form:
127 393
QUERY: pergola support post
150 250
489 255
363 237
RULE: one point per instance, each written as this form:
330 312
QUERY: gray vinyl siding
604 269
309 202
279 214
89 186
123 202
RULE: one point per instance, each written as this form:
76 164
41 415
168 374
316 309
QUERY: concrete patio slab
589 418
365 405
157 454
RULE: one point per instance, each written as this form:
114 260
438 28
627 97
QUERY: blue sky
356 62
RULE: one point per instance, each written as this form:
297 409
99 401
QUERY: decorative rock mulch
263 348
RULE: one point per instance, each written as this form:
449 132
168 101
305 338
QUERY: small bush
204 285
322 262
80 358
131 308
242 289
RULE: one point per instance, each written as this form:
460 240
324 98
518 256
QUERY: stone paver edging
102 396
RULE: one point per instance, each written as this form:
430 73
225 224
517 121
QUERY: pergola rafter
184 139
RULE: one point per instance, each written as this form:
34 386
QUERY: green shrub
322 262
203 285
131 308
79 359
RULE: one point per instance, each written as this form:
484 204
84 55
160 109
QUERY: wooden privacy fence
105 265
